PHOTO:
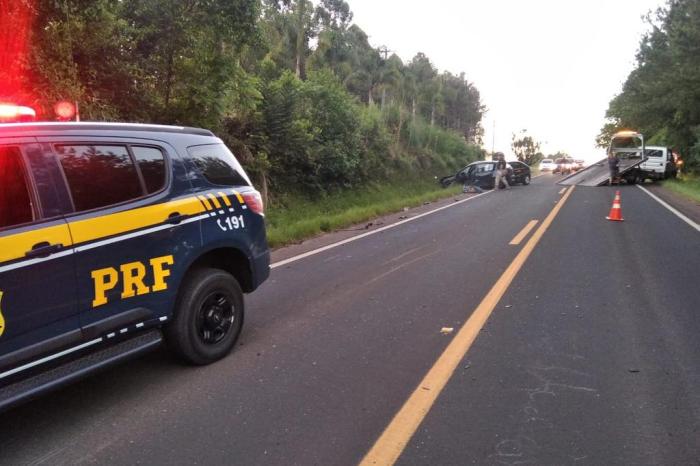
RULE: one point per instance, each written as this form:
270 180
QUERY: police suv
114 237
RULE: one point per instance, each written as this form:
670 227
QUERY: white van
547 165
659 164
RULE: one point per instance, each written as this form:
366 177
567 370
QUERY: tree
294 87
661 96
526 148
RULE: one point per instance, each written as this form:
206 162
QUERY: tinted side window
15 203
151 162
99 176
218 165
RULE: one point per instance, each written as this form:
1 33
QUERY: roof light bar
12 113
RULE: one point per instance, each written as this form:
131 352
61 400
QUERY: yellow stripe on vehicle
206 202
214 200
16 246
225 198
103 226
239 197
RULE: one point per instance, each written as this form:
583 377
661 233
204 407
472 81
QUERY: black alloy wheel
208 316
216 317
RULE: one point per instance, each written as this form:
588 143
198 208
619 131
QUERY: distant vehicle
580 164
659 164
481 174
629 149
564 166
547 165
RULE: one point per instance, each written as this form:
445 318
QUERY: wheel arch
228 259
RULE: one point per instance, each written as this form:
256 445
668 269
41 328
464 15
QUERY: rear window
547 161
99 176
218 165
485 167
15 203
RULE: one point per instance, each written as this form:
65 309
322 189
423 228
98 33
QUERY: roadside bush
376 144
332 121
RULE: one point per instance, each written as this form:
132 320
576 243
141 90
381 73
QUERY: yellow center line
398 433
562 190
523 233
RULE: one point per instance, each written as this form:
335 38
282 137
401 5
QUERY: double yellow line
398 433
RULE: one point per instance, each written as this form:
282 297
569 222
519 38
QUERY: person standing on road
613 163
501 171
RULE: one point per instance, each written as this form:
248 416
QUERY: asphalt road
592 355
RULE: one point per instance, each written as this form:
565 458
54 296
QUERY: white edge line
672 209
19 265
49 358
370 233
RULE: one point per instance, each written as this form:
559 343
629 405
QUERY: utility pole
383 50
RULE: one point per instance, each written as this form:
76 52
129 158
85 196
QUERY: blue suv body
114 237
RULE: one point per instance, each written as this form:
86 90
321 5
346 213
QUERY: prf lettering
133 278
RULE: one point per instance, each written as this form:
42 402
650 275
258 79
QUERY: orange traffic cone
616 210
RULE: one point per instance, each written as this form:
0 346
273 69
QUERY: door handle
175 218
43 249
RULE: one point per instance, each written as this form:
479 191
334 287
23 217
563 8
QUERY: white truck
630 150
659 164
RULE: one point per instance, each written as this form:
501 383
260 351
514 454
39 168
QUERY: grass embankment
688 186
296 218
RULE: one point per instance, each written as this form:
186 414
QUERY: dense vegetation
661 97
294 87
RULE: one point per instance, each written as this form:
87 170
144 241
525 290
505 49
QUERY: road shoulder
383 221
687 207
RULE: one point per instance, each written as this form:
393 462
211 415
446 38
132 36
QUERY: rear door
519 170
656 161
484 174
38 313
132 236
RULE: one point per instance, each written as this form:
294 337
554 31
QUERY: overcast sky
548 66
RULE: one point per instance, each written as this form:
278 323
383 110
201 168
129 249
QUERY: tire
208 317
526 180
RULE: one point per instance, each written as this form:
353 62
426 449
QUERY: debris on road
633 371
447 330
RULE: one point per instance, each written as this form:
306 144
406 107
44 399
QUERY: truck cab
659 164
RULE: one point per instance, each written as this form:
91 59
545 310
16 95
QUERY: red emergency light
10 113
65 110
